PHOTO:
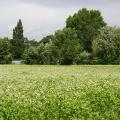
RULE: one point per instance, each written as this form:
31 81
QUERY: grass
59 92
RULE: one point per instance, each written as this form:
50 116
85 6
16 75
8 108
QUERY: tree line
86 39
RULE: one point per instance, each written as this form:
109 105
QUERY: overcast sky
43 17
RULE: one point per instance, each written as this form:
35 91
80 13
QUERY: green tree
107 45
18 41
5 51
87 24
67 45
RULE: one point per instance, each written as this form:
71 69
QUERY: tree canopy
87 24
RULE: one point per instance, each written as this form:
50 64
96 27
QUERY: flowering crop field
59 92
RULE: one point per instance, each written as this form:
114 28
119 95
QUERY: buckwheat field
59 92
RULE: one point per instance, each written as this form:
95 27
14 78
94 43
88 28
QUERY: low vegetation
59 92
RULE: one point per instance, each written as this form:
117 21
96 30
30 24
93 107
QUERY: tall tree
18 41
87 24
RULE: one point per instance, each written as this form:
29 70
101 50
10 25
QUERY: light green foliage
5 51
107 45
59 92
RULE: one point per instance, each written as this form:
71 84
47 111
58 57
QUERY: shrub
96 61
30 56
34 55
5 51
84 58
42 54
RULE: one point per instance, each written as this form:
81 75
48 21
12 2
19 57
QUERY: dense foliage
87 24
59 92
63 49
18 41
5 51
68 46
34 55
107 46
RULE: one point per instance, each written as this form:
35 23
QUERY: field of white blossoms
59 92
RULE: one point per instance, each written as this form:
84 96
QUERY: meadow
59 92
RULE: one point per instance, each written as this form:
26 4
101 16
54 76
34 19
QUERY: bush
34 55
30 56
5 51
96 61
42 54
84 58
